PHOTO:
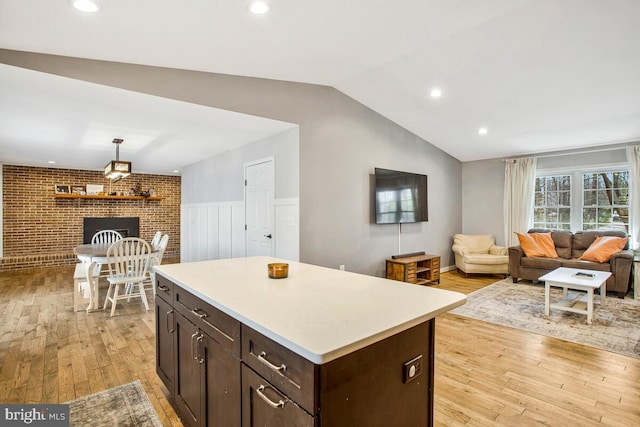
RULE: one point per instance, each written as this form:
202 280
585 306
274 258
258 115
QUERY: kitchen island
321 347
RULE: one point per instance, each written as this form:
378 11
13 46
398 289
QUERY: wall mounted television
400 197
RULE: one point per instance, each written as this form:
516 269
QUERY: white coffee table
566 279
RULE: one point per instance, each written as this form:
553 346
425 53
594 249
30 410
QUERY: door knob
268 236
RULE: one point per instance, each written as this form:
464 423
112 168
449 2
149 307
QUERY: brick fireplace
41 231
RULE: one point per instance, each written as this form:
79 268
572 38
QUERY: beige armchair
479 254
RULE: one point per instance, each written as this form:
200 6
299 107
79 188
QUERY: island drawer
164 289
263 404
223 328
289 372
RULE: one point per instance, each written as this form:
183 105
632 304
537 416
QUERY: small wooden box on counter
420 269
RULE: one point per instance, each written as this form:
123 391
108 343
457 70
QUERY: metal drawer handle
169 324
193 339
199 341
263 358
163 288
275 405
197 311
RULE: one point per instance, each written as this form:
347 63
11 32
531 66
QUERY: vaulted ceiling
539 75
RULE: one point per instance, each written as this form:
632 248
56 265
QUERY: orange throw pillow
603 247
538 245
545 242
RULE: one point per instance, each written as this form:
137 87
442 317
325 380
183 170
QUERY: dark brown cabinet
188 384
222 394
226 373
197 358
264 405
165 328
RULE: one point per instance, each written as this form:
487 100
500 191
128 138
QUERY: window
599 202
553 202
605 200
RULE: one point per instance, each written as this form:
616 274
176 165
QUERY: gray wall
483 186
341 141
220 178
482 196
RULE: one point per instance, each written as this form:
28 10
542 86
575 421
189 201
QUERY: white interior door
259 197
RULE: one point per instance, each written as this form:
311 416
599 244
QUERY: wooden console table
420 269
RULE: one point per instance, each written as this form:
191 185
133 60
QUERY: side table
421 269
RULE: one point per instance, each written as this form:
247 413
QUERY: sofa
569 247
479 254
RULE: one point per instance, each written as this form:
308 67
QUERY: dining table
92 254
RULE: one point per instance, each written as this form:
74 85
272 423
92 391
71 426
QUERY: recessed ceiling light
176 171
436 92
51 162
259 7
86 5
482 131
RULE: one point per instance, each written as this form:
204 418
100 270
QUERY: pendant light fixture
115 170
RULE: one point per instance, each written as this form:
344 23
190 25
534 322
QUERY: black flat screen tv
401 197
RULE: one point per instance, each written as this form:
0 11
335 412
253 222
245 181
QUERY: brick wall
41 231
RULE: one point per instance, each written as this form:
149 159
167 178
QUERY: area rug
126 405
615 328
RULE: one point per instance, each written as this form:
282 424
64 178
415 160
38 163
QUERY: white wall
213 211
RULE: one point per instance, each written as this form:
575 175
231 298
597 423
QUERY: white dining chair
128 261
156 259
156 239
105 237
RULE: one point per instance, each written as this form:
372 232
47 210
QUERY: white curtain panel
519 182
633 159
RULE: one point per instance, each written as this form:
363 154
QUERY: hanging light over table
116 169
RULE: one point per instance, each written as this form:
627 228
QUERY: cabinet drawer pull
170 323
199 341
262 357
275 405
163 288
193 344
197 311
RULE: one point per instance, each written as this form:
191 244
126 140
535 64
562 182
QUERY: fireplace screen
127 226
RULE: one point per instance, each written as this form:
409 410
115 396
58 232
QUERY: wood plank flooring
486 374
492 375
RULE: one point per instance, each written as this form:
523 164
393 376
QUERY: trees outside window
601 202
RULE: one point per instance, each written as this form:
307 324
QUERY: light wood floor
486 374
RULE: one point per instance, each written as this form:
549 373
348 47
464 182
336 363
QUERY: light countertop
317 312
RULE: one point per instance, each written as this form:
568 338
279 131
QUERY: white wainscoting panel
287 232
211 231
224 232
216 230
238 237
213 216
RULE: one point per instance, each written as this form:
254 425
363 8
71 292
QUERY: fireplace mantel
105 197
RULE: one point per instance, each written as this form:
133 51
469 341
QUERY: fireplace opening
127 226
